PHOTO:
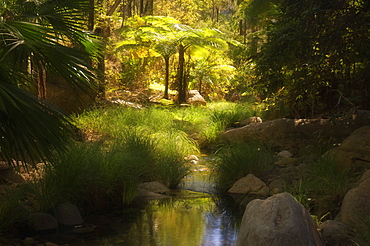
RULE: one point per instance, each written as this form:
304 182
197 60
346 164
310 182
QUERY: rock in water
250 184
279 220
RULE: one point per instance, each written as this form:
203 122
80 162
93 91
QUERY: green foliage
171 149
325 184
33 46
363 234
146 37
238 159
231 114
76 177
28 127
323 69
12 211
153 139
94 175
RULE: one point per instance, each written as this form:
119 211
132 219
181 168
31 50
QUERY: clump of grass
171 149
363 232
326 184
12 211
75 176
94 175
210 136
299 190
231 114
239 159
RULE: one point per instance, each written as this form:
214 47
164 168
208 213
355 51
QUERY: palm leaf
30 130
29 41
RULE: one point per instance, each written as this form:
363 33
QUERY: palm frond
30 130
27 41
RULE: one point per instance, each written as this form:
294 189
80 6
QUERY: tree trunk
149 7
91 21
254 43
114 7
41 82
130 8
141 8
103 33
200 85
166 79
181 83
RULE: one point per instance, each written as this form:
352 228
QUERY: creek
193 215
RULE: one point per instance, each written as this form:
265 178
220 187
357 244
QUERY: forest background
300 58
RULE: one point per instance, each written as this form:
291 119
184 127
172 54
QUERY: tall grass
203 123
231 114
12 211
363 231
326 184
171 149
238 159
75 177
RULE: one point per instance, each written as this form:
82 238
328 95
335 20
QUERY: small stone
43 222
154 186
286 162
275 191
29 241
289 170
284 154
250 184
50 244
277 184
69 215
253 119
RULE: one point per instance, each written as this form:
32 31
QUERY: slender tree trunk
166 79
149 7
114 7
254 43
41 83
91 20
141 6
129 8
200 85
181 83
103 33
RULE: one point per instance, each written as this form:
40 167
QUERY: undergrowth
238 159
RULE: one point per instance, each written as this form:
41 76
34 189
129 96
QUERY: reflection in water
195 220
194 216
